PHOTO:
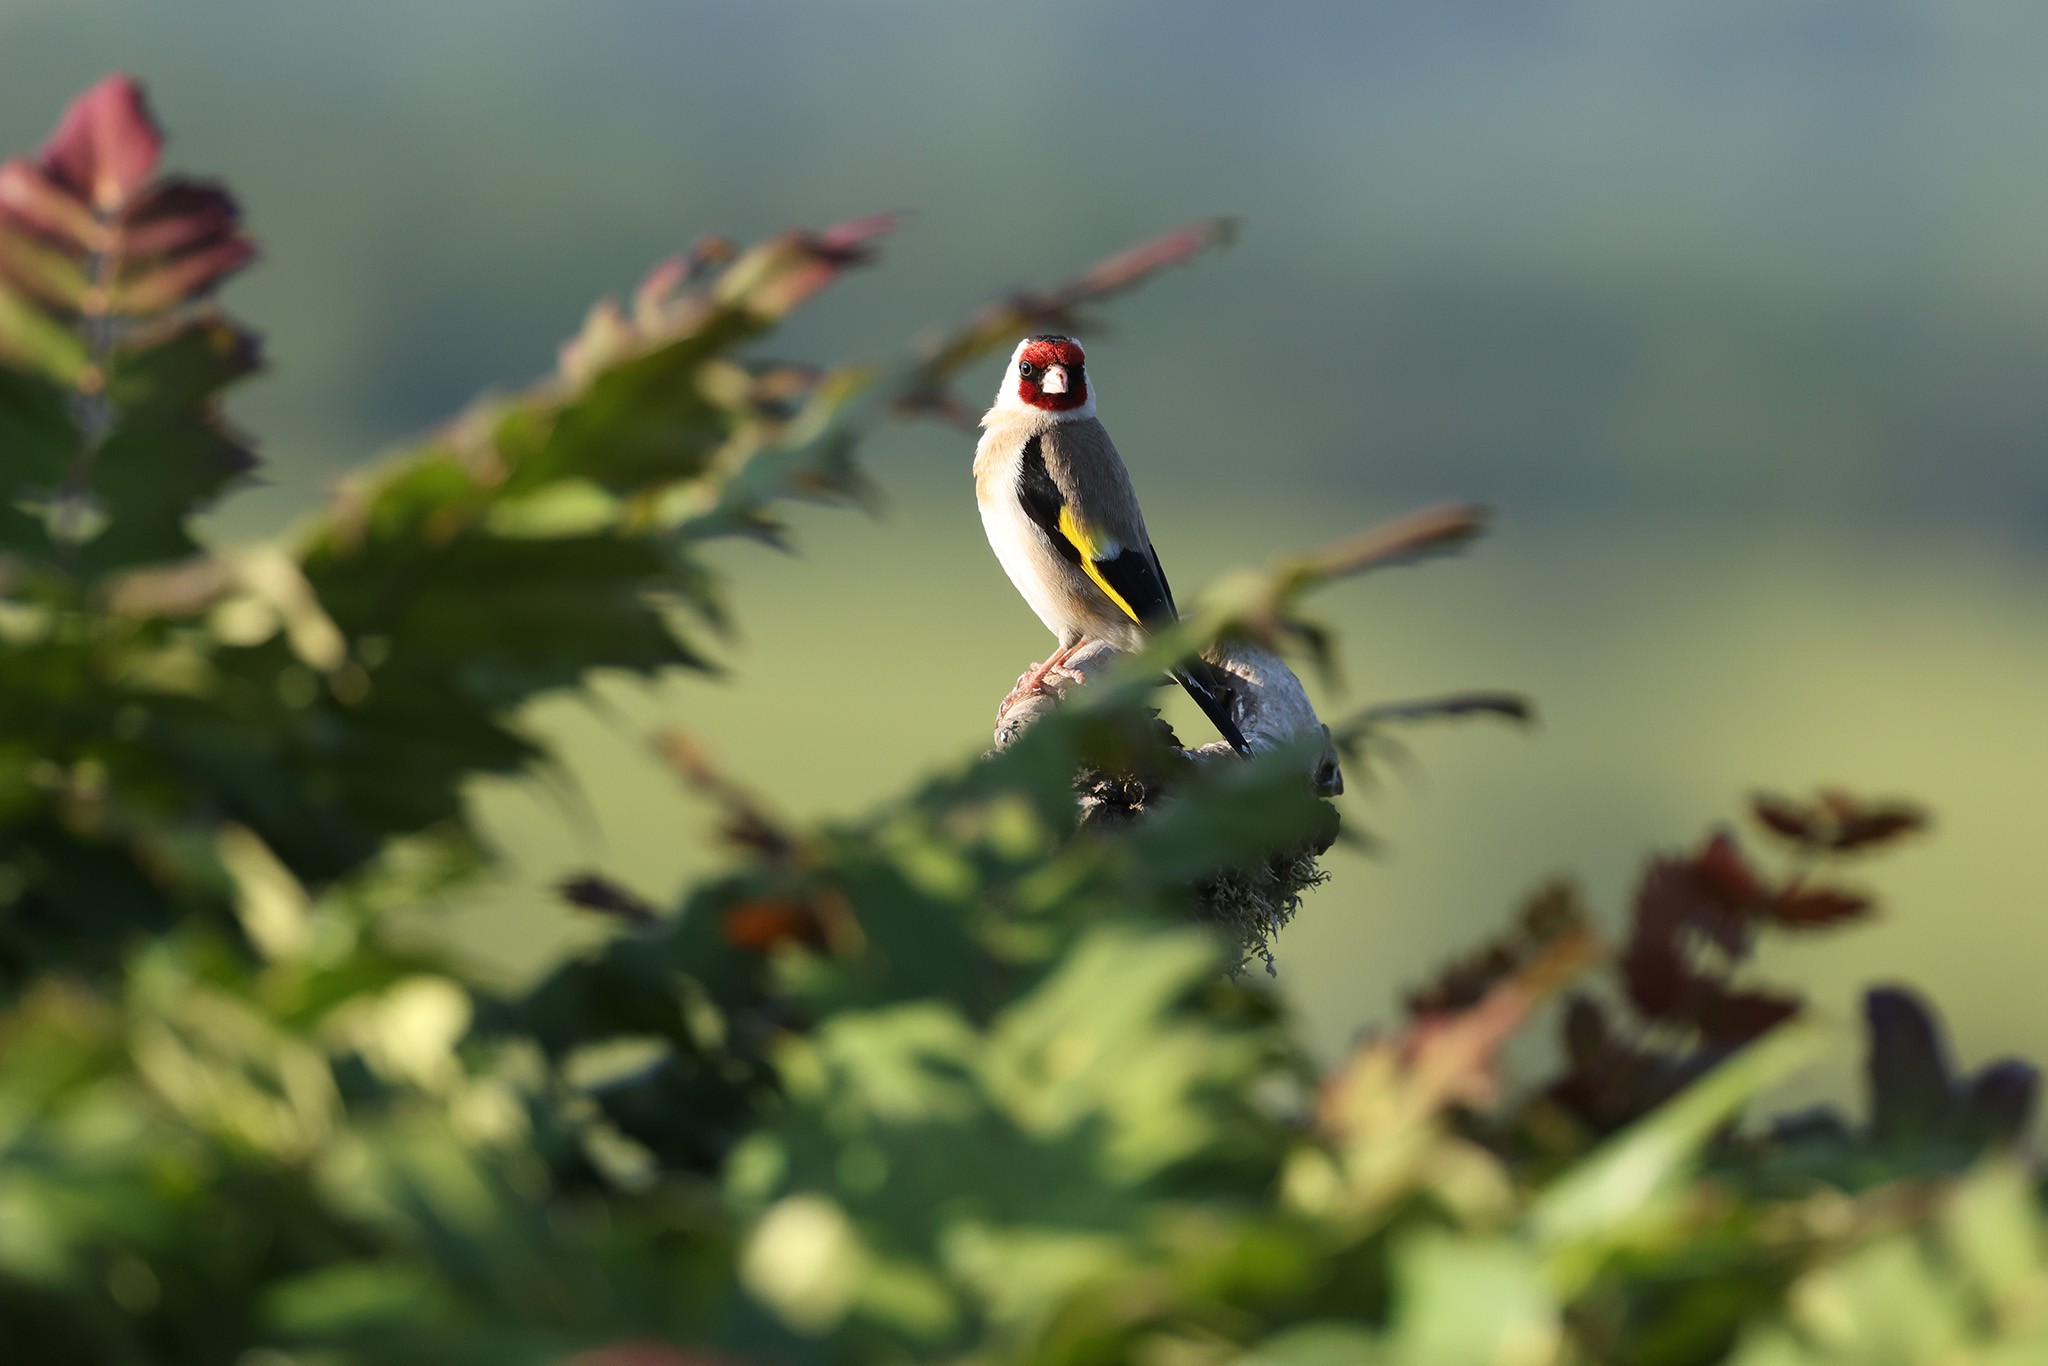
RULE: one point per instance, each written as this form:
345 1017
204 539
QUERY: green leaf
1319 1344
1601 1202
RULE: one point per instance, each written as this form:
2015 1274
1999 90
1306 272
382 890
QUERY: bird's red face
1051 374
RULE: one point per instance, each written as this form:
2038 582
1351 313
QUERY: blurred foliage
949 1082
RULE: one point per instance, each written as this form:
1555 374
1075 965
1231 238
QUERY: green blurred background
1736 310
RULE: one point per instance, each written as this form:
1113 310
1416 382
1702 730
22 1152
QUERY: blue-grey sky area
1699 257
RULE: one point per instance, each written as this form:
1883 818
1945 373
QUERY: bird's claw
1040 680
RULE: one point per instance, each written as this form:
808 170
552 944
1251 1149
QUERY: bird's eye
1026 369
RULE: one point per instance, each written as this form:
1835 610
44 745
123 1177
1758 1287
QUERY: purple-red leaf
85 230
1133 264
176 216
102 263
1735 1017
848 243
1551 915
30 199
1806 908
1724 875
1786 818
184 278
1675 899
1839 822
107 145
782 272
1587 1036
1860 825
1654 966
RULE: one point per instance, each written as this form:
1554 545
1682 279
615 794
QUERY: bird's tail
1213 692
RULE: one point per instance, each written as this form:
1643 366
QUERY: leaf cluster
952 1081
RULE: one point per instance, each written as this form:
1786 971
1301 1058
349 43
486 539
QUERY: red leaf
1733 1017
184 278
847 243
1654 968
1587 1038
1784 817
1839 821
106 146
1551 915
176 216
1816 907
1865 826
776 276
1621 1086
1675 897
1724 875
1133 264
30 199
158 245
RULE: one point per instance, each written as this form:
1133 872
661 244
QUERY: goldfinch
1060 512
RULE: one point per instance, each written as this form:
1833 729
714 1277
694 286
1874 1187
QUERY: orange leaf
758 926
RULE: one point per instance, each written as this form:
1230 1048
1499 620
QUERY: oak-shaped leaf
86 228
105 271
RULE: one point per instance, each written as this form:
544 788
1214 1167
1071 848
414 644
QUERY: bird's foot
1052 677
1029 682
1059 677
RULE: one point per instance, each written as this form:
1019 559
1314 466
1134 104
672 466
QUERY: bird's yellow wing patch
1093 550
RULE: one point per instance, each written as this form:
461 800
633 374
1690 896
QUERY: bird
1062 517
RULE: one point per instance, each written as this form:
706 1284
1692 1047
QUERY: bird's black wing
1133 580
1130 576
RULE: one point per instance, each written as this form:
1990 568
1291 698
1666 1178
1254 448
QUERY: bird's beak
1055 381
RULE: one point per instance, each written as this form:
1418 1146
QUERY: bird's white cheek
1006 396
1055 381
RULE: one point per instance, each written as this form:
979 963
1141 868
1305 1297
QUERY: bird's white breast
1020 546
